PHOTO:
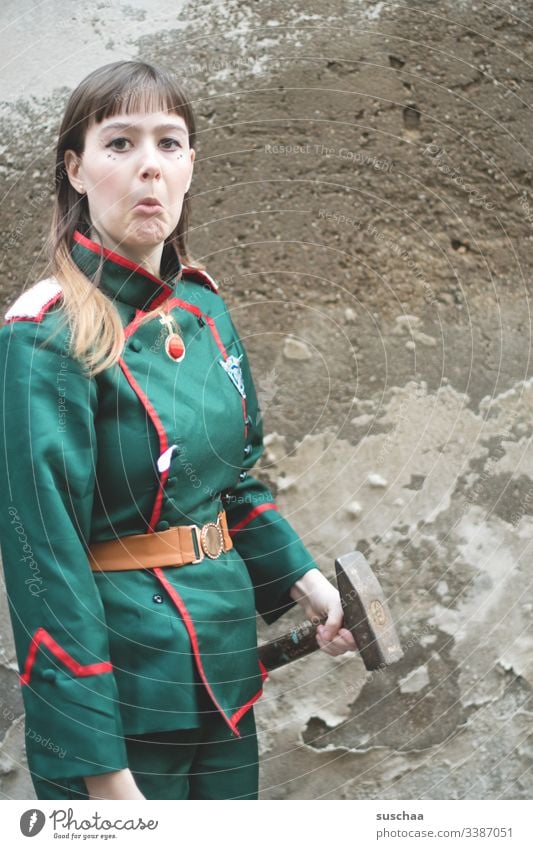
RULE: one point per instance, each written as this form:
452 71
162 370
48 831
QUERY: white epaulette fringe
33 302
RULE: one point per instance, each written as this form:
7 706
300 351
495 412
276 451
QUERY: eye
116 144
167 142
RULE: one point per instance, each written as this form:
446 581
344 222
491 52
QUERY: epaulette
35 301
200 276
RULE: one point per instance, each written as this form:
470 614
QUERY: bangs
144 92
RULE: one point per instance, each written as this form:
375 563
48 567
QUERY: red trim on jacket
245 416
255 511
177 302
190 271
157 302
134 324
119 259
214 331
233 720
79 670
163 441
238 715
180 604
264 671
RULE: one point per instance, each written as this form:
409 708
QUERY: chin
150 232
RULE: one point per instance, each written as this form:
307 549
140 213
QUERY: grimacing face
126 159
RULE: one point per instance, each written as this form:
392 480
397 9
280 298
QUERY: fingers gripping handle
366 615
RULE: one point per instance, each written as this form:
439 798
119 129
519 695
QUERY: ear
73 167
192 154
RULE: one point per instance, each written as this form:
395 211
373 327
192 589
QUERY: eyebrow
121 125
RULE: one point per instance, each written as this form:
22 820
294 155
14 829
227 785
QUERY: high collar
121 278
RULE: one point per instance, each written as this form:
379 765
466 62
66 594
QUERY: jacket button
162 526
157 598
248 421
172 481
243 475
49 674
135 345
248 450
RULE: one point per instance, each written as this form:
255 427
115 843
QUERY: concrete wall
363 192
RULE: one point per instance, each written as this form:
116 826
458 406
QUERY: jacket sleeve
272 550
47 468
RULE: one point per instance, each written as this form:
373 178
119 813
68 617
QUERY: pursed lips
149 204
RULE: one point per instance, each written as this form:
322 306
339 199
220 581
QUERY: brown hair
96 331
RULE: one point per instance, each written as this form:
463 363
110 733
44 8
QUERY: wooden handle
366 616
297 643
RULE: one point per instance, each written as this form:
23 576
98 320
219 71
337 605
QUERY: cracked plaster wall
363 194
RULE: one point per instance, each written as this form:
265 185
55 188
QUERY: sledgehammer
366 615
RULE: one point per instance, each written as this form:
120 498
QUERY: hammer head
366 612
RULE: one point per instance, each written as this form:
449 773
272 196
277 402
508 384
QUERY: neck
146 256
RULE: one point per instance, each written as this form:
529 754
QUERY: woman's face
126 159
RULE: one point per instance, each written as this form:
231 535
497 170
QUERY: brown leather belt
177 546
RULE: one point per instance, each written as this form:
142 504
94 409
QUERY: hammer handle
366 616
297 643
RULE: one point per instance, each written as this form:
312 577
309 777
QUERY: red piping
79 670
134 324
215 333
238 715
129 330
159 300
264 671
163 442
190 271
127 263
180 604
41 313
255 511
245 414
119 259
177 302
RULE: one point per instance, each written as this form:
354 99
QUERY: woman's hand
113 785
320 599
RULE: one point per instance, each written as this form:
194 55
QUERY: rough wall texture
363 192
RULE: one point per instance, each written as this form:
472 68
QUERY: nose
150 167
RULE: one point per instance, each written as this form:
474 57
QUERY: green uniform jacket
148 444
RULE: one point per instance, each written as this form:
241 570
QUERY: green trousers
209 762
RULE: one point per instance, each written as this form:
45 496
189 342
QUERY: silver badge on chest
232 367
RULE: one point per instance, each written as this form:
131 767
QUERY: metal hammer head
366 612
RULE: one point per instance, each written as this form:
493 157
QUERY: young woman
136 544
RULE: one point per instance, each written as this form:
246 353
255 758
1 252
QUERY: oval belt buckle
212 540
